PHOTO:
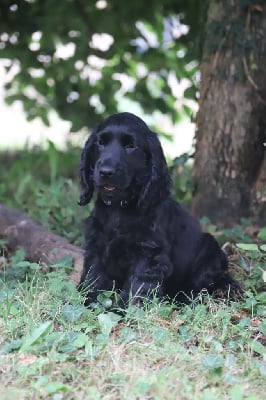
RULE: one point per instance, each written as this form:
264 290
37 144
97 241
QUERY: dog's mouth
109 188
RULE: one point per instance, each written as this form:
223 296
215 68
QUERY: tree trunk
39 244
230 165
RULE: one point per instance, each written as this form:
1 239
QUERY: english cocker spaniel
139 240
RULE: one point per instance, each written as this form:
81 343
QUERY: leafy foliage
80 58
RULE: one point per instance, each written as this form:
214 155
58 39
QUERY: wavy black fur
138 239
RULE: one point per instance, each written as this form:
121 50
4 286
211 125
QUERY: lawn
52 347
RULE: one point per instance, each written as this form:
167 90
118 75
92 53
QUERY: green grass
52 347
45 185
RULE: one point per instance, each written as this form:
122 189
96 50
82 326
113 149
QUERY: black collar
123 203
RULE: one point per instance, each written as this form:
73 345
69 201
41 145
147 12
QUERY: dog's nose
106 171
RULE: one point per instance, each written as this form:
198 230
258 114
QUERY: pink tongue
110 188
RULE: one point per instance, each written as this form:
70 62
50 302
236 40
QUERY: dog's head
124 161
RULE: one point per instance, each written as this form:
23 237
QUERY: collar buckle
124 203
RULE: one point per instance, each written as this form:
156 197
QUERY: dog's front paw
137 301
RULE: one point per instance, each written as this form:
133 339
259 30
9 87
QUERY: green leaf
104 298
81 341
127 335
65 262
54 387
207 395
262 234
160 336
9 347
28 265
142 386
248 246
23 264
38 333
72 312
263 328
263 247
213 361
229 360
107 322
204 221
263 369
66 343
237 393
258 347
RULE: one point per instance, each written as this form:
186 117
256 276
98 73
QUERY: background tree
230 164
79 57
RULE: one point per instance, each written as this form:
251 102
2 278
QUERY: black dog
138 239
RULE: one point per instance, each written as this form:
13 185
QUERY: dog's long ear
158 182
87 163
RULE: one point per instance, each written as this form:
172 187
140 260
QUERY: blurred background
66 72
19 132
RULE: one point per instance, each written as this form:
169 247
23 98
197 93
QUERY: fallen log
39 244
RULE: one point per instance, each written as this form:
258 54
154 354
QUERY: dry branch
39 244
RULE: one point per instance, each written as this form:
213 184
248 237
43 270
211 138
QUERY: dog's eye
128 142
102 140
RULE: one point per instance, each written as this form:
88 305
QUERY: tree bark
230 165
39 244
